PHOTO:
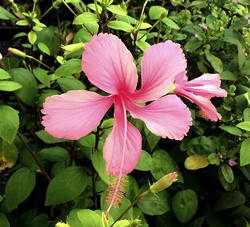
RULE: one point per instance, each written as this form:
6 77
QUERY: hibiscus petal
161 63
207 85
165 117
207 108
74 114
122 148
109 65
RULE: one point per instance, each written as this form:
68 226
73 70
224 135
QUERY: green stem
31 57
131 205
149 30
35 157
48 10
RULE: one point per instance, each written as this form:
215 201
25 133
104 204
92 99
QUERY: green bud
72 47
17 52
195 162
61 224
165 182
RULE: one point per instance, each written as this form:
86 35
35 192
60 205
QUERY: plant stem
47 11
149 30
34 155
131 205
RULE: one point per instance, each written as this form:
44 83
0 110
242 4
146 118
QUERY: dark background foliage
44 180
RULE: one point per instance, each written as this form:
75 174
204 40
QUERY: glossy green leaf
54 154
19 187
145 162
47 138
244 152
185 205
155 204
69 68
6 15
9 123
68 84
28 92
42 76
66 185
117 9
9 86
4 74
44 48
120 25
162 164
231 129
227 173
32 37
244 125
85 18
214 61
155 12
8 154
170 23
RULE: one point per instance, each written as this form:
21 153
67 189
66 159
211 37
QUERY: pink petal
109 65
122 148
161 63
207 85
74 114
165 117
207 108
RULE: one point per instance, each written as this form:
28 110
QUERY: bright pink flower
109 65
200 91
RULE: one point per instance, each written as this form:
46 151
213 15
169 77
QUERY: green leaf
214 61
4 75
155 12
47 138
185 205
66 186
170 23
87 141
55 154
227 75
195 162
246 114
84 218
145 162
241 55
8 154
42 76
44 48
68 84
244 125
231 129
227 173
22 23
100 166
9 86
120 25
152 139
85 18
117 9
69 68
9 123
229 200
32 37
155 204
245 152
3 219
162 164
6 15
19 187
28 92
192 45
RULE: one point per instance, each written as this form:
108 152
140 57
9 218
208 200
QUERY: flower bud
163 183
17 52
73 47
61 224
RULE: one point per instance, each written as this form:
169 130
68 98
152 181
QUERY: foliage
46 181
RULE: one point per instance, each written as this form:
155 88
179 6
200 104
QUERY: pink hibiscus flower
200 91
109 65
